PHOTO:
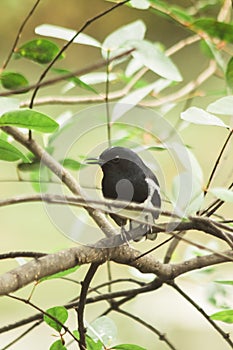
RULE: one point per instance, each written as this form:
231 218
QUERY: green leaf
225 282
128 347
12 81
229 73
60 274
57 345
29 166
151 56
212 51
224 316
29 119
223 105
10 153
92 345
157 148
223 194
58 312
71 164
215 29
199 116
180 14
75 80
66 34
39 50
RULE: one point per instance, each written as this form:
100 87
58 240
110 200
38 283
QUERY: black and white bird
126 177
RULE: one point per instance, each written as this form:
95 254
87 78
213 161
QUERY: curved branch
63 260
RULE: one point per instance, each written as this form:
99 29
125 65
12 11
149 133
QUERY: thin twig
65 47
173 245
22 335
217 162
43 313
161 336
82 302
13 255
107 87
225 336
187 89
214 206
121 93
21 28
78 72
197 223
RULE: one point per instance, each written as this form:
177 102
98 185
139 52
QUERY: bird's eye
116 160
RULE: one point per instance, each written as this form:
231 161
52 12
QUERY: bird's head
115 158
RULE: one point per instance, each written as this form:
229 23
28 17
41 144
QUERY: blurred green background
27 227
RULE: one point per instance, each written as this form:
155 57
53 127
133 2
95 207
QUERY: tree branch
63 260
78 72
21 28
161 336
225 336
82 302
61 173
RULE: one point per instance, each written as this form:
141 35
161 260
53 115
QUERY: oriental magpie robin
126 177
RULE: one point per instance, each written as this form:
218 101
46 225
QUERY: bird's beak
94 161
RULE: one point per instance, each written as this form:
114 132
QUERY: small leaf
71 164
156 148
58 312
229 73
215 29
187 186
28 167
229 283
212 51
60 274
128 102
10 153
92 345
116 40
224 316
29 119
128 347
199 116
103 328
140 4
151 56
223 105
66 34
133 66
57 345
39 50
223 194
98 77
12 81
75 80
